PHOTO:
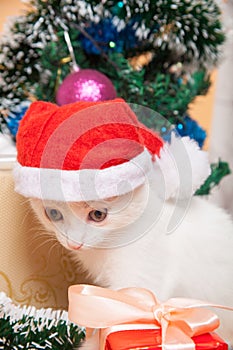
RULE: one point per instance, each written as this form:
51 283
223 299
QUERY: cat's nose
74 246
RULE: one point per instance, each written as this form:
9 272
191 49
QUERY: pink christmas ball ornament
85 85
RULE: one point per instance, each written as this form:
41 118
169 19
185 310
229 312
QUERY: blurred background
201 109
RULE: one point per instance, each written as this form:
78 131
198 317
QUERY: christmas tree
156 53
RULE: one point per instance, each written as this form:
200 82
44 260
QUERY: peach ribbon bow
179 318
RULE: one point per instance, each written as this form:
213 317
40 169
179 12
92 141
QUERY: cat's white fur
175 249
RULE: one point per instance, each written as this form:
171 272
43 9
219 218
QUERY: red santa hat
93 150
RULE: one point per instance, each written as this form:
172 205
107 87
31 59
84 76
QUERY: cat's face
106 223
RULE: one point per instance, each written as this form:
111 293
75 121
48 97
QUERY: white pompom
182 168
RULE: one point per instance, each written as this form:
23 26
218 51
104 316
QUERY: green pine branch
218 171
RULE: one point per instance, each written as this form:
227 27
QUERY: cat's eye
53 214
97 215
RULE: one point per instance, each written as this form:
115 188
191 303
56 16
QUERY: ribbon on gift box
178 318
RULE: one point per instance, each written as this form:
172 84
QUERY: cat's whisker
55 245
35 236
42 244
38 235
43 239
38 229
25 201
27 213
42 232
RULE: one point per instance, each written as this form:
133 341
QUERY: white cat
175 249
146 230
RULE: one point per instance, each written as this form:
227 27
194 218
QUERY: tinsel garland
31 328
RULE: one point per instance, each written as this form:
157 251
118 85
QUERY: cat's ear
181 168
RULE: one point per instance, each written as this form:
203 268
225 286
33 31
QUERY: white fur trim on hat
179 171
82 185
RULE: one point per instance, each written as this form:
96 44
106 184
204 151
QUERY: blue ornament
189 127
192 129
103 33
128 36
108 38
15 116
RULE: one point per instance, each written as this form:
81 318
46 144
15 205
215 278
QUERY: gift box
151 340
133 319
